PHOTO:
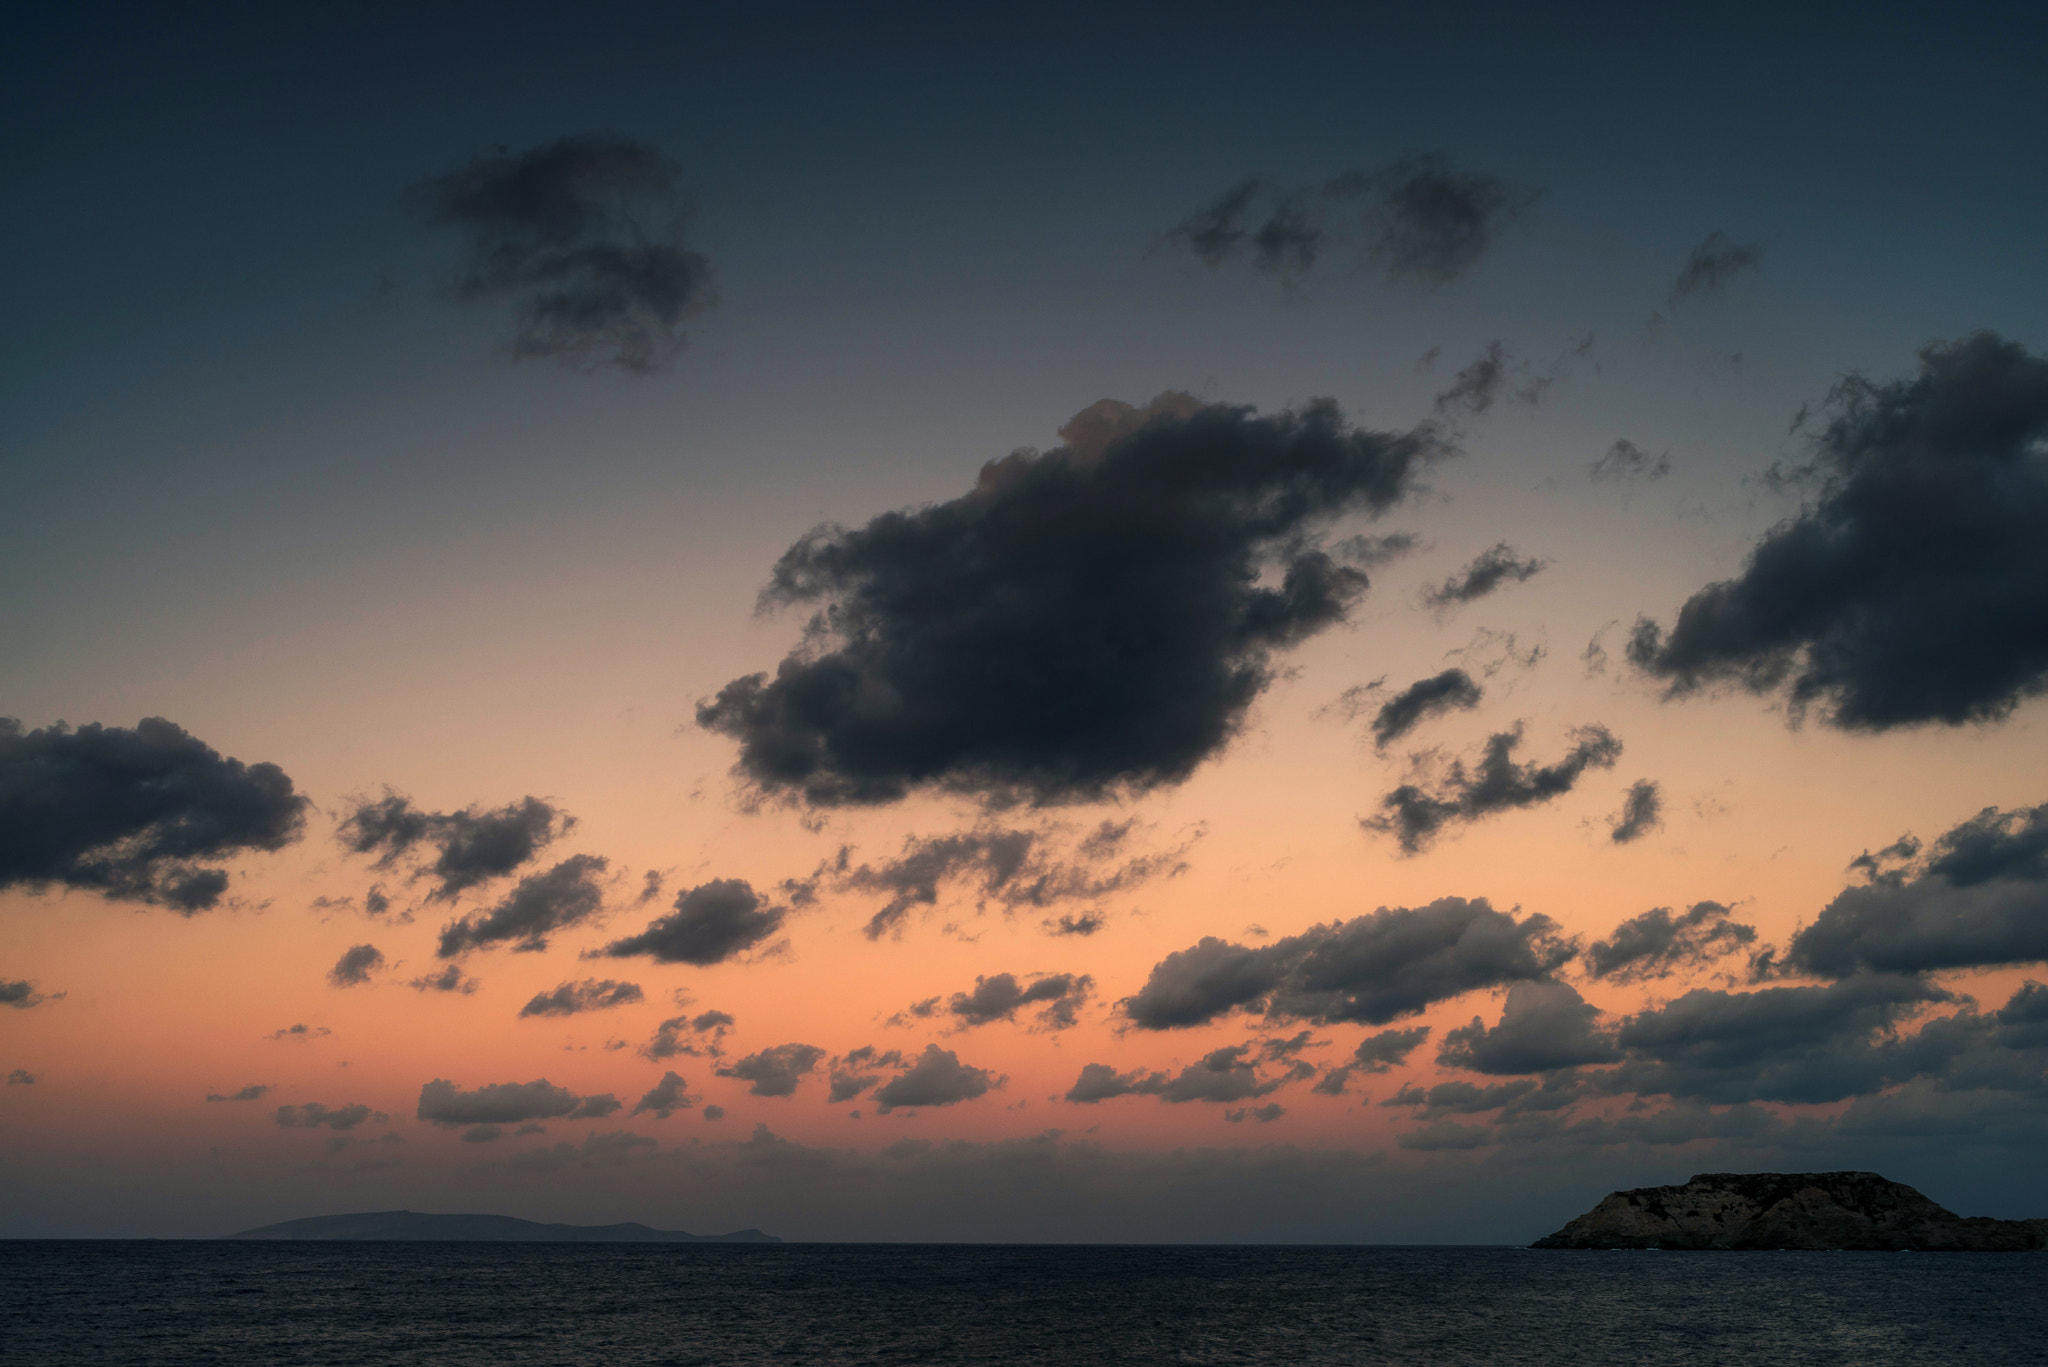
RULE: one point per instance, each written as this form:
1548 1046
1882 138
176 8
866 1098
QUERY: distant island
411 1226
1797 1210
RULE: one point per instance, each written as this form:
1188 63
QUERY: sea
621 1305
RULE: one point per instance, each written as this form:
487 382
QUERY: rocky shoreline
1806 1210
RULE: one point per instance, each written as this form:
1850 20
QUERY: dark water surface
361 1304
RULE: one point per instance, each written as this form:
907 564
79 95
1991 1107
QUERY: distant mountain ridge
1800 1210
411 1226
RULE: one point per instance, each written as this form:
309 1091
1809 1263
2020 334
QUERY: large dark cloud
776 1071
936 1078
585 236
473 846
1415 815
1392 962
1013 868
356 965
1914 586
540 904
1417 219
711 923
1451 691
508 1103
134 815
1492 568
591 994
1090 621
1658 943
1712 264
1977 899
1543 1027
1059 997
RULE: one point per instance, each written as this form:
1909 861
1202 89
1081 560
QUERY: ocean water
492 1305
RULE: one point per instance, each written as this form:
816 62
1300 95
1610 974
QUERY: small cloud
21 1077
356 966
1642 811
1712 264
299 1032
255 1091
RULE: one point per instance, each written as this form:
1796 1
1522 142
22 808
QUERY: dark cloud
313 1115
1461 1098
1392 962
21 1077
1265 1114
666 1097
1059 997
540 904
1473 389
449 979
1085 924
936 1078
1225 1076
857 1070
473 846
1091 621
1498 784
585 236
355 966
595 1107
592 994
498 1103
650 887
1543 1027
1371 552
1011 868
1493 567
669 1038
1642 811
1914 587
712 922
301 1031
1977 899
774 1072
1417 219
1798 1044
1388 1049
19 994
1658 944
134 815
255 1091
1713 263
1450 691
1625 462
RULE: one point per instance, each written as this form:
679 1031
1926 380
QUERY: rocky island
1795 1210
413 1226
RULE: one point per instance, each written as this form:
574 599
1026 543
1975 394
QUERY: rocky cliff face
1814 1210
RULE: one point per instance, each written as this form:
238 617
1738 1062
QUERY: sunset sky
1169 624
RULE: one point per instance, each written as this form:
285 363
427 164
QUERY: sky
1103 624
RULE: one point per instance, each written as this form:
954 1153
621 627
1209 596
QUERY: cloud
1658 944
1416 816
1392 962
21 1077
255 1091
1417 219
856 1070
355 966
1060 997
19 994
1265 1114
313 1115
1544 1026
1371 552
1085 924
774 1072
666 1097
1977 899
592 994
449 979
585 236
540 904
1474 388
498 1103
1091 621
1713 263
1493 567
1642 811
668 1038
301 1031
1012 868
1626 462
134 815
473 846
1450 691
712 922
1912 588
937 1078
1388 1049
